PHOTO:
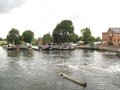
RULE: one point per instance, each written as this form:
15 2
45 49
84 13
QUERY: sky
42 16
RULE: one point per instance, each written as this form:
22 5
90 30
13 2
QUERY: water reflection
88 51
28 53
16 53
13 53
64 52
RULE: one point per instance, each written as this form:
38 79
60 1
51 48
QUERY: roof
114 30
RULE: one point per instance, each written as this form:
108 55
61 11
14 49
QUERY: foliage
73 38
80 38
86 34
1 39
62 31
47 38
110 43
56 34
92 44
21 38
28 36
13 36
97 39
34 41
91 39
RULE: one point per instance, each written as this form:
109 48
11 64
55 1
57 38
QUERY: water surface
33 70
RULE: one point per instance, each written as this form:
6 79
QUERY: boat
11 48
49 48
58 47
36 48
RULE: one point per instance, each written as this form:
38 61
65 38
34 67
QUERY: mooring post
73 80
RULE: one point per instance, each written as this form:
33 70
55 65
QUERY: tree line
14 37
62 33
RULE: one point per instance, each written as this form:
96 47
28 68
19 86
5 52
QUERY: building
40 41
111 37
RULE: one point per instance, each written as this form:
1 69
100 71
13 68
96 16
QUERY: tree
80 38
47 38
56 34
86 34
91 39
28 36
13 36
1 39
97 39
73 38
62 31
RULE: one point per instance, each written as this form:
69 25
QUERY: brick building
111 37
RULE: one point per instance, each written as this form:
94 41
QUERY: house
111 37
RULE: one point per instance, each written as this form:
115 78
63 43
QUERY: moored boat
69 48
11 48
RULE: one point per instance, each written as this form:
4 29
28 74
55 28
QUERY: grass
3 43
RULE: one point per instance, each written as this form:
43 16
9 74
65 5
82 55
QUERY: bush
110 43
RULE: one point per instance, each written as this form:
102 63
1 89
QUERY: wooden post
73 80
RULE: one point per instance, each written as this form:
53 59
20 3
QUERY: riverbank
3 43
17 47
101 48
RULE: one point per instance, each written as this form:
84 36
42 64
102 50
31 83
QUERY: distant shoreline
100 48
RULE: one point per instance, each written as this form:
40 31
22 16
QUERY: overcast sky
41 16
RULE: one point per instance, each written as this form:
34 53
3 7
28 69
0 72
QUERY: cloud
8 5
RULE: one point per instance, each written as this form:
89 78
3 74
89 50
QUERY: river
40 70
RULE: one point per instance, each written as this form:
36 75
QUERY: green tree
86 34
62 31
13 36
97 39
56 34
80 38
47 38
73 38
91 39
28 36
1 39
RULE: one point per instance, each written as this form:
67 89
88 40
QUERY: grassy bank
3 43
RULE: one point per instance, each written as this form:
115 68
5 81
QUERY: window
114 40
110 39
